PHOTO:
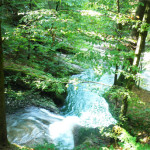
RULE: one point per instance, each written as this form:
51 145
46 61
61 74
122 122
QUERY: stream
84 107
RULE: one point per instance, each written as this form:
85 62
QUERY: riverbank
23 98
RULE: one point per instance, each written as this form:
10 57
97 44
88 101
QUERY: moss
17 99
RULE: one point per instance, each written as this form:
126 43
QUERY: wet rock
89 136
30 126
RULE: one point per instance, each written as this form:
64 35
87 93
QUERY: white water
145 75
84 101
84 106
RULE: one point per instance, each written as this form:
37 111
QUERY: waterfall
84 106
85 99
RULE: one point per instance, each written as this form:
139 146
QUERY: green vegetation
45 42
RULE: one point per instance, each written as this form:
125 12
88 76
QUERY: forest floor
139 115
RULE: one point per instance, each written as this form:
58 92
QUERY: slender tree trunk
124 107
57 5
3 130
140 43
119 28
116 75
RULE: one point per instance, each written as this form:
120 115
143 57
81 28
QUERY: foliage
138 114
115 97
48 40
35 79
45 146
125 140
43 32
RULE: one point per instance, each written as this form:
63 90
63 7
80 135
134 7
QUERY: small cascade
85 100
85 106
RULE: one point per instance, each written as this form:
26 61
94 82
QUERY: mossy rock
28 80
89 137
18 99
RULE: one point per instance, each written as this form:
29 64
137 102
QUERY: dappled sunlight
92 33
90 13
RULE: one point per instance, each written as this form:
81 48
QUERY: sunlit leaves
44 31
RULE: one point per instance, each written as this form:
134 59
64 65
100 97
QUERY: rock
89 136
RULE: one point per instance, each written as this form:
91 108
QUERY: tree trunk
138 16
140 43
124 107
57 5
116 75
119 28
144 13
128 83
142 36
3 130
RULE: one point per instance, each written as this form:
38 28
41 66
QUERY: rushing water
84 106
84 101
